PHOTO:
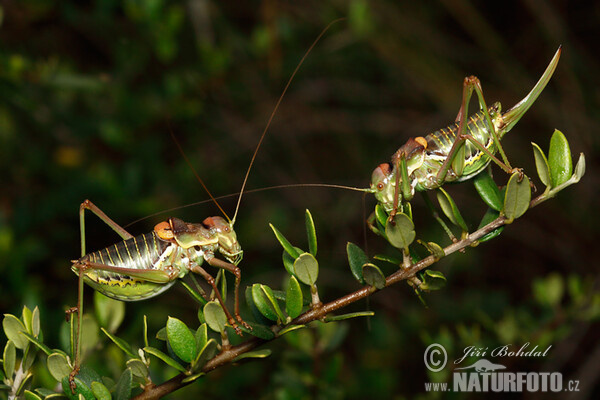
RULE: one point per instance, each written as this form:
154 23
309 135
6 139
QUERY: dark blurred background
89 92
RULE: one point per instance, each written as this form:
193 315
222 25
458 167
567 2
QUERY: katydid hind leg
215 262
211 281
88 205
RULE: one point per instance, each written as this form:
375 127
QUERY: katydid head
227 239
383 184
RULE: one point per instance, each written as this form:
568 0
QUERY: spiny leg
471 84
79 311
88 205
211 281
215 262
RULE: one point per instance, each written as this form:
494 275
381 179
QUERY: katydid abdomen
143 252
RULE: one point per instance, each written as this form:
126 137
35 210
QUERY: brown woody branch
227 356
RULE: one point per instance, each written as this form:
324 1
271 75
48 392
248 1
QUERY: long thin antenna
196 174
237 207
225 196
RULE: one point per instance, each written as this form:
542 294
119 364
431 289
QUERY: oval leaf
451 210
58 366
13 328
100 391
268 292
489 216
123 386
264 353
488 190
165 358
311 233
287 246
541 164
433 280
373 276
181 339
209 350
356 258
215 316
517 197
9 358
306 268
559 159
109 312
400 232
123 345
138 368
31 396
262 303
293 298
201 336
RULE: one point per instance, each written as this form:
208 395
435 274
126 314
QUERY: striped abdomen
146 251
440 142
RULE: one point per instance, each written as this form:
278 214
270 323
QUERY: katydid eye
380 186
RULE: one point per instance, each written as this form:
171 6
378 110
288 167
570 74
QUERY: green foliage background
90 90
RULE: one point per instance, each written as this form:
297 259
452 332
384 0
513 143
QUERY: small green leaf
192 378
288 261
89 333
549 291
262 303
26 317
31 396
433 280
349 316
293 298
161 334
489 216
559 159
58 365
83 381
201 336
13 328
264 353
579 168
123 387
100 391
381 215
388 259
306 268
541 164
258 316
373 276
209 350
138 368
289 328
9 358
38 343
195 295
488 190
311 233
287 246
260 331
435 249
35 322
165 358
181 339
451 210
400 231
356 258
268 292
109 312
215 316
517 197
123 345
